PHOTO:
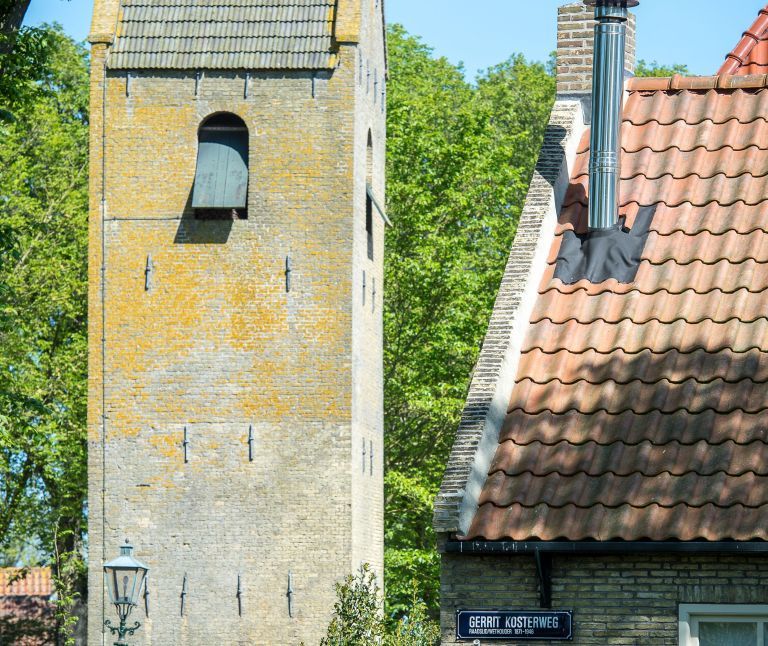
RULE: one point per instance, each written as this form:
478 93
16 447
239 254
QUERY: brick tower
236 242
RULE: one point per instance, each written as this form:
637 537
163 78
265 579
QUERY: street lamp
124 577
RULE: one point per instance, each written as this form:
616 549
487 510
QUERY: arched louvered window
221 178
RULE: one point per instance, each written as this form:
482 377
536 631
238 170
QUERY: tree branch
12 14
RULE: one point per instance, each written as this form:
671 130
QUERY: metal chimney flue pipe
607 95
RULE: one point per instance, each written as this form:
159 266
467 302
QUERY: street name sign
519 625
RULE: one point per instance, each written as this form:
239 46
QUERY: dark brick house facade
26 611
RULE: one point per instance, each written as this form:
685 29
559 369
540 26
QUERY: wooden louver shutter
221 179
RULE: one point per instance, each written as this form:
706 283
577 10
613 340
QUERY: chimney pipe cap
624 4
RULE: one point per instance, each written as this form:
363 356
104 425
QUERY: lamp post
124 577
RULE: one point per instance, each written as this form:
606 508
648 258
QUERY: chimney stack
575 49
611 18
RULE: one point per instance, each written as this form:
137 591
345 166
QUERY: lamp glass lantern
124 578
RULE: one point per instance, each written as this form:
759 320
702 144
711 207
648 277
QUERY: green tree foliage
18 69
357 618
644 68
43 305
460 158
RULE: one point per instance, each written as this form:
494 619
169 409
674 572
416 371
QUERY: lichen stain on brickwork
218 345
165 444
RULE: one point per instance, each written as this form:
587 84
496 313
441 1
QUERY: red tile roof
640 411
750 56
36 583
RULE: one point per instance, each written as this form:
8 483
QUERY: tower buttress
348 21
104 21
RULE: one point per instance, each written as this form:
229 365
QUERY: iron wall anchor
289 595
183 594
185 446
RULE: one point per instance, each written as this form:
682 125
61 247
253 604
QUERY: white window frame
692 613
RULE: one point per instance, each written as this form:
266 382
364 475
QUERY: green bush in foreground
357 619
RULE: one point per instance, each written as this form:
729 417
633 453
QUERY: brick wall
621 600
217 345
575 48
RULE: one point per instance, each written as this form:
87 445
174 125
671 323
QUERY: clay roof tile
750 56
640 410
32 582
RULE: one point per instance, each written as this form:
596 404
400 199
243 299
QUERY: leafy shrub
357 618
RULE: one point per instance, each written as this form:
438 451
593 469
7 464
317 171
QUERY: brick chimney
575 42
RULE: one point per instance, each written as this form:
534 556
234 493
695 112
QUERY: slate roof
750 56
225 34
640 411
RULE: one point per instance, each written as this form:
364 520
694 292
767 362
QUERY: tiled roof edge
118 64
718 82
739 54
495 371
32 582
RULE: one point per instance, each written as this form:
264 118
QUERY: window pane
713 633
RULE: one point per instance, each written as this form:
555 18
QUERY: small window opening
368 199
221 177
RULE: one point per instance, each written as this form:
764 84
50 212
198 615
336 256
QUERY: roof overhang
513 548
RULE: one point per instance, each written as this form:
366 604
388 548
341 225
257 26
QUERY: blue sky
481 33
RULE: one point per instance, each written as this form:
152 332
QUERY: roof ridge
717 82
738 56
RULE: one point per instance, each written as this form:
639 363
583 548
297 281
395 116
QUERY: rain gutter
513 548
